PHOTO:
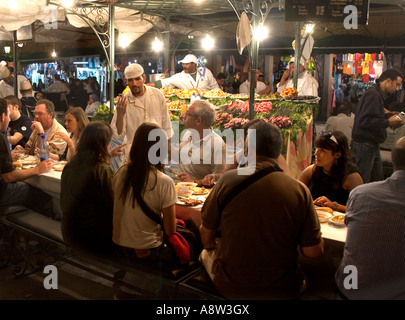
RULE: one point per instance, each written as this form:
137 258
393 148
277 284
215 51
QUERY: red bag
180 247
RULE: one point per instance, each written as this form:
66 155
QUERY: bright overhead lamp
53 54
7 49
309 28
208 43
123 41
12 5
157 45
261 33
67 3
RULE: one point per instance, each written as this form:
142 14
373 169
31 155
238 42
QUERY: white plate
58 167
323 216
337 224
181 203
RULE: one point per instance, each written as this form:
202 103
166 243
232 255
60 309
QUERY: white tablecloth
49 182
329 231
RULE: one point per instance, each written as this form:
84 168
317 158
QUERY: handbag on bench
180 241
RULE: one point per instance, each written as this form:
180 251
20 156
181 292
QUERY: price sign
325 10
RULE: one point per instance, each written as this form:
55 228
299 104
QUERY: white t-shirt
131 227
205 156
7 90
245 87
204 80
91 109
306 85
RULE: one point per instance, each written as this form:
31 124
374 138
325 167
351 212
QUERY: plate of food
29 160
289 93
324 214
58 167
199 191
190 202
240 96
185 188
338 220
216 94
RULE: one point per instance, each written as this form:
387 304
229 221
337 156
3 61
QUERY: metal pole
112 57
297 54
253 59
15 59
166 49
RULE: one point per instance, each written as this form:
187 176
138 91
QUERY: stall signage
326 10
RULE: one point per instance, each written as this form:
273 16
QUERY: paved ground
73 284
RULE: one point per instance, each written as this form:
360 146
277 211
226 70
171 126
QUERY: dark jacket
370 123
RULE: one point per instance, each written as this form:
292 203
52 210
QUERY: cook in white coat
190 78
306 83
140 104
8 81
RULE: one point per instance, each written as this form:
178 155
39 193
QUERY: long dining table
320 271
49 182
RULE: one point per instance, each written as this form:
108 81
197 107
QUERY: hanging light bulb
123 40
53 54
208 43
67 3
309 28
261 33
157 45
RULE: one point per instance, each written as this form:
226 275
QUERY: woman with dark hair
141 238
333 175
86 196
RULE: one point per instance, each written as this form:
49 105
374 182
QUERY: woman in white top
141 238
92 105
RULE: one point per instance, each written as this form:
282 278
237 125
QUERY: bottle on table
9 139
192 98
198 97
43 149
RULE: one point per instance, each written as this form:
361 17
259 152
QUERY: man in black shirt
20 124
13 191
370 123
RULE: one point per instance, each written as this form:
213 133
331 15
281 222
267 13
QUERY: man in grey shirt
373 263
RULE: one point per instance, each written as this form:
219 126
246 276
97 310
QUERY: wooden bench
29 226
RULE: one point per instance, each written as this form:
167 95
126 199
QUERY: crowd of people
105 210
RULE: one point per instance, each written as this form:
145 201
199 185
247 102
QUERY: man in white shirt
8 81
343 122
58 87
202 151
260 89
306 83
190 78
140 104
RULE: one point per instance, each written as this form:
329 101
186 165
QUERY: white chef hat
293 60
189 58
134 70
4 72
25 85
